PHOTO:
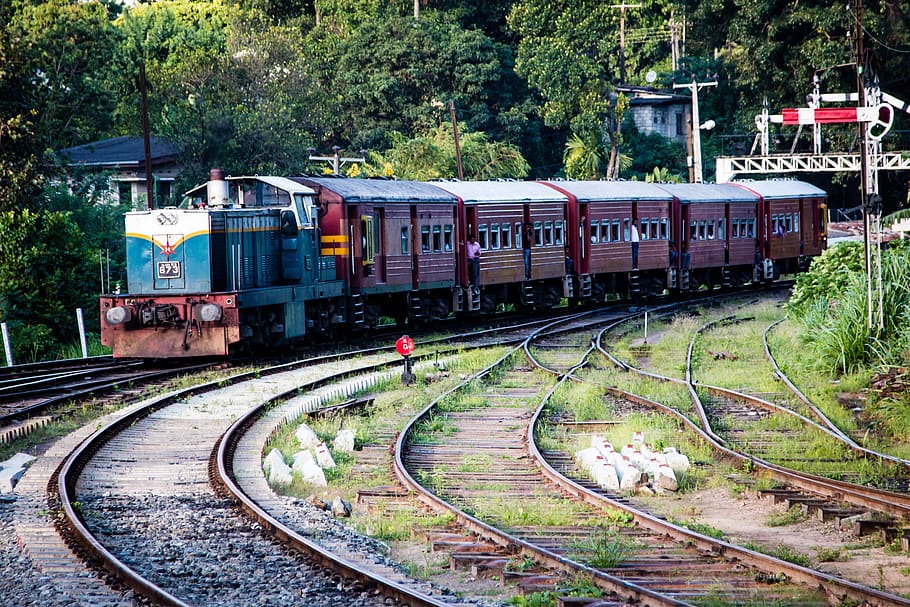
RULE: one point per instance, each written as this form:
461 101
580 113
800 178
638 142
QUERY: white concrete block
323 456
310 472
12 470
344 441
273 457
306 437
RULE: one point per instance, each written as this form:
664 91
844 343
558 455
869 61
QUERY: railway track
156 446
238 462
33 397
483 501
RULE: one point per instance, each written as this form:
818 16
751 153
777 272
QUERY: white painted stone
677 461
310 472
306 437
12 470
271 459
323 456
278 471
605 475
344 441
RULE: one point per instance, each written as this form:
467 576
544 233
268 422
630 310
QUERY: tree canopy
540 87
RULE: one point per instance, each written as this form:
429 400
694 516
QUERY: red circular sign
404 345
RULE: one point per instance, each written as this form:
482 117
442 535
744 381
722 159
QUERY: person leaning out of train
635 240
473 253
526 244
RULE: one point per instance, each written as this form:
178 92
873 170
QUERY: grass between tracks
732 356
394 404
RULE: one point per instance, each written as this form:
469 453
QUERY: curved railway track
489 450
674 565
156 446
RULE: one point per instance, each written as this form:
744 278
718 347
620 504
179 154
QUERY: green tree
569 51
432 156
65 49
44 276
650 152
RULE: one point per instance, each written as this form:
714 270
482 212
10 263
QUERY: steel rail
511 543
895 504
834 586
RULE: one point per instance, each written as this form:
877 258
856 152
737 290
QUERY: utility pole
695 128
336 160
457 143
622 38
146 143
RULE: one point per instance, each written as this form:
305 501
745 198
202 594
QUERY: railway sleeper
847 517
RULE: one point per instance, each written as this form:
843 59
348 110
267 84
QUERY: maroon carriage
394 245
521 227
793 223
610 216
711 251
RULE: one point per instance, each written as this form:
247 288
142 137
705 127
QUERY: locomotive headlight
208 312
118 315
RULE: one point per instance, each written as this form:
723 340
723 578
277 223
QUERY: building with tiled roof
123 158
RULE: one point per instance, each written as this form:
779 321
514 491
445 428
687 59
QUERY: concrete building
663 113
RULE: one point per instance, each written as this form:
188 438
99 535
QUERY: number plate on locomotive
168 269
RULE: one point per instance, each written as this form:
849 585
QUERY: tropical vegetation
538 88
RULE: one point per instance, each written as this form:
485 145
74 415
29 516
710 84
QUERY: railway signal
405 347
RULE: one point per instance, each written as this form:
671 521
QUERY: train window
558 233
789 222
548 233
595 232
494 236
734 228
506 236
722 229
538 234
645 228
367 240
614 231
751 231
404 240
437 239
709 231
796 222
774 223
447 238
665 229
702 230
425 239
626 229
482 237
693 230
517 235
605 230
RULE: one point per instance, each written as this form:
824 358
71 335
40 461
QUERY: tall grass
831 305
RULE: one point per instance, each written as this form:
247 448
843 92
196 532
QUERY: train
258 262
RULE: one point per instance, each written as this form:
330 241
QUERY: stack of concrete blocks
632 467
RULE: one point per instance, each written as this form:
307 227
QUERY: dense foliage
831 304
255 85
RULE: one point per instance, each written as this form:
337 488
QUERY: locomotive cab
239 263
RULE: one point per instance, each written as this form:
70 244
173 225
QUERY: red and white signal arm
404 345
880 117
